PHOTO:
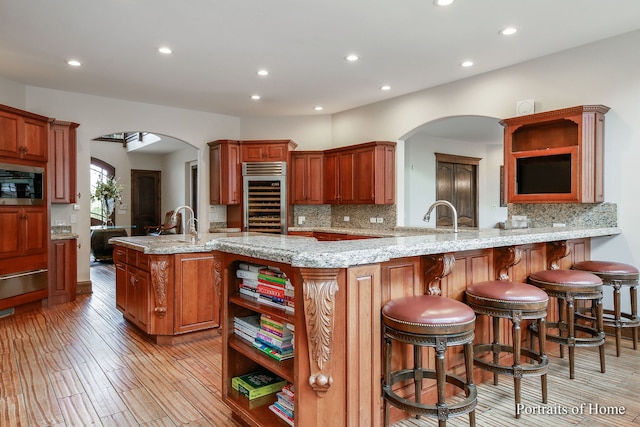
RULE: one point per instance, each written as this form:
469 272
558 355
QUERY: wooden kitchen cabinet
24 238
306 178
62 274
267 150
23 135
225 175
360 174
168 296
62 162
197 294
555 156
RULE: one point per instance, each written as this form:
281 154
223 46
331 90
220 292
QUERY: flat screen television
544 174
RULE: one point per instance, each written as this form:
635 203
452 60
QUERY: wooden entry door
457 182
145 200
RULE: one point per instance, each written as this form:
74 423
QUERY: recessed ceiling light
507 31
467 64
74 63
164 50
318 108
442 2
385 87
352 57
255 97
263 72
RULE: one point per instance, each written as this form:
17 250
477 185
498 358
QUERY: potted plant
107 192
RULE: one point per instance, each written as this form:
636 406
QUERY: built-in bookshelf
259 336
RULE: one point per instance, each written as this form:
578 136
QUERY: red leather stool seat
565 279
616 275
500 291
427 314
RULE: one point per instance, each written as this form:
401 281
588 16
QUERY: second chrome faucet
427 216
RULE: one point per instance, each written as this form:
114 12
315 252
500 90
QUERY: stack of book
274 338
258 384
266 285
247 327
283 407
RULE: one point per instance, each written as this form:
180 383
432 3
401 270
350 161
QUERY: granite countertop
62 232
308 252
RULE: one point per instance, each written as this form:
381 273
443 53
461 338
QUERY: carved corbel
504 258
319 292
437 267
217 275
555 252
159 279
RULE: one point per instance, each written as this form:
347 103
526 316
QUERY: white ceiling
220 44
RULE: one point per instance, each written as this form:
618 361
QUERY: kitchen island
339 290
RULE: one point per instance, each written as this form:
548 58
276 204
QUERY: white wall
309 132
175 190
12 93
100 116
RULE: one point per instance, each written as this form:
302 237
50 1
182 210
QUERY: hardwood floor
82 364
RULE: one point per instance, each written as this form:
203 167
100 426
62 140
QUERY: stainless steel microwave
21 184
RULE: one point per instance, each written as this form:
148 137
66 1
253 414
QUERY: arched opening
464 136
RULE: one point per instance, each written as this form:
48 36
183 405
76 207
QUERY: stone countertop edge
309 253
64 236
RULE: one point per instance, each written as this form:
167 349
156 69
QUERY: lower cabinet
168 295
63 275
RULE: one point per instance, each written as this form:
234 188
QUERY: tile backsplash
570 214
334 216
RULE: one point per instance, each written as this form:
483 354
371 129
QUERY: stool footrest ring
596 339
524 370
459 408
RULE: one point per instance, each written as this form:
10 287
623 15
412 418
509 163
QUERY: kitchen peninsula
339 287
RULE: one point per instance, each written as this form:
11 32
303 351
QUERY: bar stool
616 275
500 299
567 286
429 321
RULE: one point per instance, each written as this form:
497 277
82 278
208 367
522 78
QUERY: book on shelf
272 352
251 322
257 384
251 293
281 305
281 414
245 336
247 266
285 401
277 343
246 274
279 337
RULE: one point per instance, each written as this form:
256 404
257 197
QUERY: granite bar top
62 232
308 252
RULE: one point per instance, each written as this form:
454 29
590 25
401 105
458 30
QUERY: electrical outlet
346 219
372 220
379 220
73 219
301 220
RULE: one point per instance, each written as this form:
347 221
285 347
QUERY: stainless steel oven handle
24 273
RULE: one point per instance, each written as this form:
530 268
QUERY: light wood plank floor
81 364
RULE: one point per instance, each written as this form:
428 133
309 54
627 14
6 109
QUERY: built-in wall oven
265 196
21 184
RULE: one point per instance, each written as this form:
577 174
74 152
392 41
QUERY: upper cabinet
555 156
224 174
306 178
360 174
23 135
62 162
267 150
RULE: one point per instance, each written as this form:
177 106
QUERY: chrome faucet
443 203
191 222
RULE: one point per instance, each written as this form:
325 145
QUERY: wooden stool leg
633 294
572 334
441 379
496 346
417 374
600 328
542 327
387 377
561 310
617 316
468 366
516 334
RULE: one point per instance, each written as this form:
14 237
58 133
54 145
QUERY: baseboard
84 287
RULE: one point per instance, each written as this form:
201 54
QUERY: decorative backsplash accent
570 214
